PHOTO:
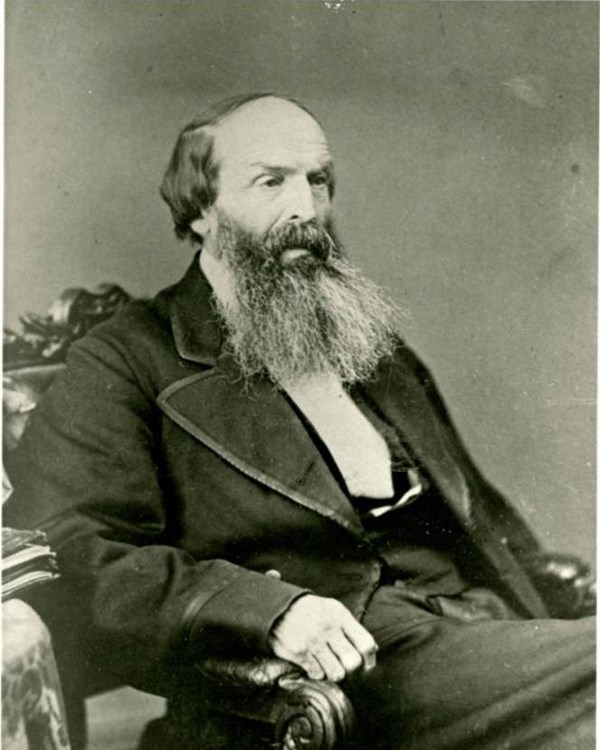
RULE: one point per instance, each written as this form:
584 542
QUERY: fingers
306 660
364 643
349 659
331 664
321 663
313 667
322 637
339 657
345 657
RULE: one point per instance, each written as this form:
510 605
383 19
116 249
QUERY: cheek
251 213
323 208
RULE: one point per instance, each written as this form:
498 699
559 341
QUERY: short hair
190 182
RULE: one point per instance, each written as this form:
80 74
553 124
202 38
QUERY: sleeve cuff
248 607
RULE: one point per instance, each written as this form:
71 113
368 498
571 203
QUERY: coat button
273 574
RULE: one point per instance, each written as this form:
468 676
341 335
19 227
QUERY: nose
301 202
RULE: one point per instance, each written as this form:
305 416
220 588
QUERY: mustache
311 236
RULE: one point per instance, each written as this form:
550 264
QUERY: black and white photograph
299 374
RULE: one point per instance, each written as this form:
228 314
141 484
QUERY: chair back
33 356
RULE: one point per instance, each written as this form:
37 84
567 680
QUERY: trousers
466 673
453 673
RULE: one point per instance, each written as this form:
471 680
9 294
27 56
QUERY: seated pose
253 462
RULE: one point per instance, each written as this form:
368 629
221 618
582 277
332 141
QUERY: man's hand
321 636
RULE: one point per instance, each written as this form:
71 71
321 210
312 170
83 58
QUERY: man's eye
320 180
269 181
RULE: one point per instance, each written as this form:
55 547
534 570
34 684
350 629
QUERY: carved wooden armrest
565 584
248 673
306 714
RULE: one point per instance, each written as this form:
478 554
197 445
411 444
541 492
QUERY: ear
205 225
201 225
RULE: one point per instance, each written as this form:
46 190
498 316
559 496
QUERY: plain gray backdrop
465 136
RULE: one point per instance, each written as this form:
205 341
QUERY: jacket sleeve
87 471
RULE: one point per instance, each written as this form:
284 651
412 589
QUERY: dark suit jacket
169 488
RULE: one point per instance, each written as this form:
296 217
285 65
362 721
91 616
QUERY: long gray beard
316 315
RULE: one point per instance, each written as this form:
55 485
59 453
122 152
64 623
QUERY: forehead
269 131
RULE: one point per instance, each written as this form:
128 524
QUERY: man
253 462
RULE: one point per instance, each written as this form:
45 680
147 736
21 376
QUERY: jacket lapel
255 429
400 397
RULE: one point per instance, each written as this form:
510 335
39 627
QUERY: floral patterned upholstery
33 716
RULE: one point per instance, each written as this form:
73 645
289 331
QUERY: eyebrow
327 166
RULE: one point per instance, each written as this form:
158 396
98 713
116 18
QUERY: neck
219 277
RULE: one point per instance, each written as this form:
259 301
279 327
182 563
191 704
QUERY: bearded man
254 462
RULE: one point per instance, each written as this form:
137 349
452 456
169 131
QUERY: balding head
217 139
